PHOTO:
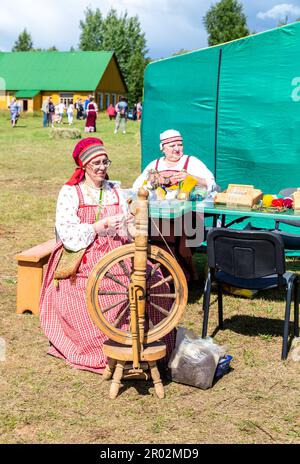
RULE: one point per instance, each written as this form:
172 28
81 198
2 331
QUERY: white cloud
169 25
280 11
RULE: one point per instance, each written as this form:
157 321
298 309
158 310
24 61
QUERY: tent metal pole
217 112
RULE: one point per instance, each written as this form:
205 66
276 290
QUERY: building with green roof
65 76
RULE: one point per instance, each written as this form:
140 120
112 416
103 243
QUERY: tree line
224 21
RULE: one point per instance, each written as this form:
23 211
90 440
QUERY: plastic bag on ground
194 360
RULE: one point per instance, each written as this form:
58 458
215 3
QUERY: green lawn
45 401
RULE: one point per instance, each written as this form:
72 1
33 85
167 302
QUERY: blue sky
169 25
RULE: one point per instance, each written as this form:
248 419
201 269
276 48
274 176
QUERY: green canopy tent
237 106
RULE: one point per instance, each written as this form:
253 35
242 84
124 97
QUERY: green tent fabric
237 106
180 93
258 136
26 93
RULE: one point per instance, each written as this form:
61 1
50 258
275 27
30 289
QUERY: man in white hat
174 166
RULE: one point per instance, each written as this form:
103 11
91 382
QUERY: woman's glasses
97 164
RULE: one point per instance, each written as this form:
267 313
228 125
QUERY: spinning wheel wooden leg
158 386
116 380
109 370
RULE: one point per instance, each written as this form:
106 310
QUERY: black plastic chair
249 259
290 241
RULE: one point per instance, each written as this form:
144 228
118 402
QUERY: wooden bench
30 276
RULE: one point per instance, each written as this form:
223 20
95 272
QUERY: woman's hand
116 222
130 223
179 176
109 224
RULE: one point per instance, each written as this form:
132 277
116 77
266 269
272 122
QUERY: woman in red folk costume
92 218
91 111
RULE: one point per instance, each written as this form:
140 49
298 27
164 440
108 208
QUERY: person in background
15 110
92 218
91 111
70 113
79 108
134 113
139 109
121 117
56 114
85 105
61 109
51 113
174 165
111 112
45 110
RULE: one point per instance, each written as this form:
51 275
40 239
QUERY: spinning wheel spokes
160 309
162 281
108 275
124 267
155 267
108 301
122 313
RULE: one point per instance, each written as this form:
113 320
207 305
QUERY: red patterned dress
63 312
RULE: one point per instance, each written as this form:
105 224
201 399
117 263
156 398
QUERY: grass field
45 401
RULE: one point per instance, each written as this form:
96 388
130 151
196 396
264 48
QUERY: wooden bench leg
30 277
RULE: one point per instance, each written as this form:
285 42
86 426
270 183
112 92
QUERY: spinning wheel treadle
136 295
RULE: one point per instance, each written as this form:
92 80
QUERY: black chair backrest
291 241
245 254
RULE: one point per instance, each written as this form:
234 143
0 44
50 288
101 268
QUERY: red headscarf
83 153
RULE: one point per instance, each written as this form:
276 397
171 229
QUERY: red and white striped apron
63 312
169 173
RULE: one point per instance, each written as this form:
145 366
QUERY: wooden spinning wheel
136 295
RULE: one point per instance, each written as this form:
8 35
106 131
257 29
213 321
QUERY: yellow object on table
267 200
186 187
160 193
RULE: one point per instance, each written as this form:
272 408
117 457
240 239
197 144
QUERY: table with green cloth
228 216
170 209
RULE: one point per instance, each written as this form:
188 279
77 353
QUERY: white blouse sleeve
139 181
199 169
73 234
123 203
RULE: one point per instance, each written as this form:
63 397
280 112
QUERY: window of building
114 98
107 100
100 101
66 98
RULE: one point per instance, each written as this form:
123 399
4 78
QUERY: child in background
70 113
